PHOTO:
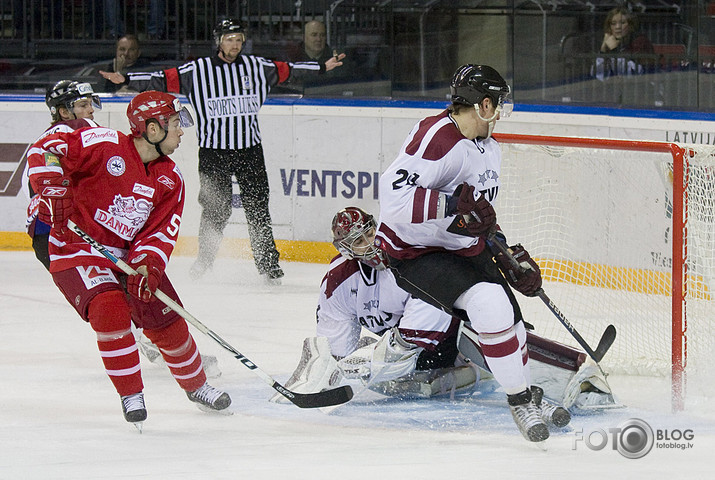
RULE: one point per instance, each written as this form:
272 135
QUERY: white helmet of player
354 237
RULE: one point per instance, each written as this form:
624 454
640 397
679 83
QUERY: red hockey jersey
61 126
130 207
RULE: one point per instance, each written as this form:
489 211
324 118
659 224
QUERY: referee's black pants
216 170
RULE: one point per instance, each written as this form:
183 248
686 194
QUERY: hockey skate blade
225 412
542 445
139 426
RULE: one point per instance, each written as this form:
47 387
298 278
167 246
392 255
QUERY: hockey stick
326 398
609 335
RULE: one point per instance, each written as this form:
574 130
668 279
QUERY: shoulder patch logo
99 135
51 160
116 165
167 181
143 190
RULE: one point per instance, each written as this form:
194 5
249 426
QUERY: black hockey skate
134 409
273 275
527 417
551 414
210 399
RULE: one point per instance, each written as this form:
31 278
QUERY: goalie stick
609 335
326 398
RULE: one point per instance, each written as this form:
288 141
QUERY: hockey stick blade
607 339
325 398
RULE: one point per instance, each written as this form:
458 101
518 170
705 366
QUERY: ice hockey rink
60 417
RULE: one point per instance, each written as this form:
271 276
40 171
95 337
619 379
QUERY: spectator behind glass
313 48
621 35
127 59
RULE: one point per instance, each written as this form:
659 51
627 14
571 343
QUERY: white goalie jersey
355 296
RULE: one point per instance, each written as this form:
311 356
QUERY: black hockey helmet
65 92
472 83
353 232
225 27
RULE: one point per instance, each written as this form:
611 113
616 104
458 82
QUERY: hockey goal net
624 233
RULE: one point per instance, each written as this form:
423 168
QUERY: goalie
418 351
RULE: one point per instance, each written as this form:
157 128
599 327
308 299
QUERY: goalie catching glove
56 204
525 277
144 283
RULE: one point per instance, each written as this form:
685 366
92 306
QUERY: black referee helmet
225 27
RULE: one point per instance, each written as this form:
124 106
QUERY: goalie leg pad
588 391
430 383
317 369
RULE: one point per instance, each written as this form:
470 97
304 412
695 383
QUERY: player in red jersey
72 107
126 193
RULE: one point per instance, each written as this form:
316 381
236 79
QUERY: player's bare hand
114 77
334 61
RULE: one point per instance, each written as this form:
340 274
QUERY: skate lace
207 393
133 402
547 410
527 415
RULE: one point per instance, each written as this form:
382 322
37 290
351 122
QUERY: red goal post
602 217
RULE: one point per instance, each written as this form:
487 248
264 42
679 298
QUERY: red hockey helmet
158 106
354 237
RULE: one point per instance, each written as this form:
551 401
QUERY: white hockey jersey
353 296
434 160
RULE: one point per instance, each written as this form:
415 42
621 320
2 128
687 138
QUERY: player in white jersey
417 354
442 255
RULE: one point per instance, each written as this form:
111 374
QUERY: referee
227 91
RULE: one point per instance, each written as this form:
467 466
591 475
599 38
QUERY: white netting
599 222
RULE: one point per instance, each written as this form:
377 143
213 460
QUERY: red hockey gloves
478 214
526 278
56 204
146 281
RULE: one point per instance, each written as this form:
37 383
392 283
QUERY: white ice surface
60 417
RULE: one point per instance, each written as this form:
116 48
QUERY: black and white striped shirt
226 96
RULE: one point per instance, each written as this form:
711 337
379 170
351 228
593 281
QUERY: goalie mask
65 93
354 237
